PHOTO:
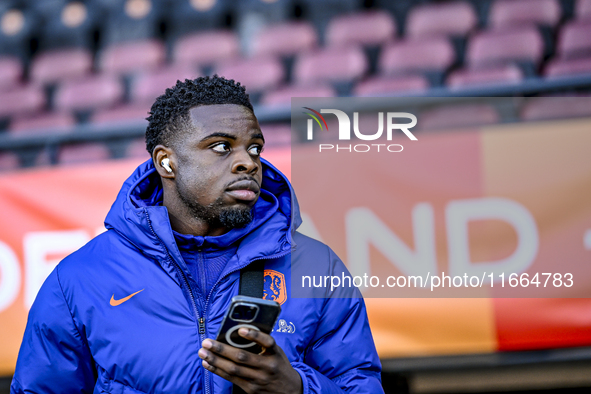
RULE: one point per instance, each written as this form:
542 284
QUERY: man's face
219 169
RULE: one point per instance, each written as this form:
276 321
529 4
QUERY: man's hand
268 372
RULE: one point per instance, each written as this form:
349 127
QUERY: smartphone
253 313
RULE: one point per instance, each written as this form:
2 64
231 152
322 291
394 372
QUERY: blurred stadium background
77 79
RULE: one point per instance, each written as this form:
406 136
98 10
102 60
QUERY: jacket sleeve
342 356
53 358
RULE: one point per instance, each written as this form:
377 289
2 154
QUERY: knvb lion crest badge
285 327
275 287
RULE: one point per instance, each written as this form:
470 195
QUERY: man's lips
244 190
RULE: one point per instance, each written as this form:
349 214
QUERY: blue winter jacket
76 341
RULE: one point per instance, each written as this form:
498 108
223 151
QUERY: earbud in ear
166 164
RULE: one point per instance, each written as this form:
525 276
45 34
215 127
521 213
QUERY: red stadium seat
457 117
505 13
132 56
283 95
331 64
137 149
583 9
428 54
206 48
134 113
11 72
94 92
498 47
574 40
276 134
61 64
285 39
506 74
9 161
22 100
545 108
45 122
562 68
449 19
257 74
83 153
382 85
147 86
368 28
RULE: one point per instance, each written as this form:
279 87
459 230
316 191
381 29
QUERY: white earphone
166 164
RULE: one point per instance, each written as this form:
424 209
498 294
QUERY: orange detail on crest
275 288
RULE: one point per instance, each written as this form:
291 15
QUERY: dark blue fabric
77 341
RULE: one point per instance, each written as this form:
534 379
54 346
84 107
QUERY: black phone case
264 320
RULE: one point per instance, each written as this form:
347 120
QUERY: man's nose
244 162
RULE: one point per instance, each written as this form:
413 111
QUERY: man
135 309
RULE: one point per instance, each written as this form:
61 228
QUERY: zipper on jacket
202 325
200 319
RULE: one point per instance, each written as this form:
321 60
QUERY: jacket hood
139 216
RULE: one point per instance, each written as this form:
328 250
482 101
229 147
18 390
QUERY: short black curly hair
170 111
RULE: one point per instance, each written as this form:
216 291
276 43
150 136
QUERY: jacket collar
138 216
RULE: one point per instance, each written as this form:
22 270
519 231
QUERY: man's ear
164 161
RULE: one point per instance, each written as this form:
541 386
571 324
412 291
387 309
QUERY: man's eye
222 147
255 150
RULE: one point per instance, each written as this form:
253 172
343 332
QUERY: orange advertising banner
543 169
508 206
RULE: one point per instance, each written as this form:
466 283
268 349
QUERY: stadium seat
583 9
94 92
148 85
272 11
17 27
508 45
367 28
47 122
417 55
137 149
257 74
188 16
563 68
132 20
11 72
285 39
9 161
448 19
63 64
45 7
276 134
82 153
457 117
131 113
504 74
283 95
504 13
22 100
320 11
132 56
574 40
383 85
69 24
331 64
206 48
545 108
